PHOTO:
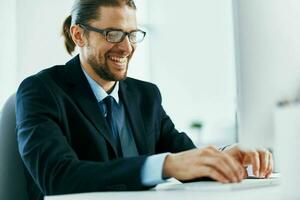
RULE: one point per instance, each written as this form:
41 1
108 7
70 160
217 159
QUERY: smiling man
85 126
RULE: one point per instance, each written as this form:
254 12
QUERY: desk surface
167 191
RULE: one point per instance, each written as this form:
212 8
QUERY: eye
133 36
137 36
114 36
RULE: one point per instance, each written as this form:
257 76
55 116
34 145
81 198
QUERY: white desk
167 191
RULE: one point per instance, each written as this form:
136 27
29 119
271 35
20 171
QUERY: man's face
110 60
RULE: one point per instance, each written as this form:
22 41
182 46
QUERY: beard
103 70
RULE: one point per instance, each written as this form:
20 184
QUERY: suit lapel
83 95
135 117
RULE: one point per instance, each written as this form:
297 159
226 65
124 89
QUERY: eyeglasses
116 36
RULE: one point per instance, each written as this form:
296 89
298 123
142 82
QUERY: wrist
168 166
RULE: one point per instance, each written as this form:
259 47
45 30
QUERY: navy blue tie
109 102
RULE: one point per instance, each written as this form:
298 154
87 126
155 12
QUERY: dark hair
84 11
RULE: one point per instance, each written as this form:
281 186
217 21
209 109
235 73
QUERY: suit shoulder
42 78
49 73
52 72
143 89
140 84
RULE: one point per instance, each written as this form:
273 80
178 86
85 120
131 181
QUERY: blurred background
195 51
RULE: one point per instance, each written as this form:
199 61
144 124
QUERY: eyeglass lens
118 36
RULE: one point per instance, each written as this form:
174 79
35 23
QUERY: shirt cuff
152 170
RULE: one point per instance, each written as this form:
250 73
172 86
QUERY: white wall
269 48
192 61
8 50
39 42
31 40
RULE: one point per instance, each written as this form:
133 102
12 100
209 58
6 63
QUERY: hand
207 162
261 160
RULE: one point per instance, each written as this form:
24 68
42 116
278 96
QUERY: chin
121 77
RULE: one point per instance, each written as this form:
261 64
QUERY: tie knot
108 101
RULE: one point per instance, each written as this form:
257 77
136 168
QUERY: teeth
118 59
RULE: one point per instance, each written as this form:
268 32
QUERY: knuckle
254 154
207 151
211 147
202 152
266 154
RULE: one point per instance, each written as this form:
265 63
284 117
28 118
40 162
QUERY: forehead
116 17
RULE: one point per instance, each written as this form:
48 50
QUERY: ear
77 35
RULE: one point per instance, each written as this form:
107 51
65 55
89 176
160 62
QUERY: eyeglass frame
105 32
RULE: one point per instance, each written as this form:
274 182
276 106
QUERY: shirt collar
99 92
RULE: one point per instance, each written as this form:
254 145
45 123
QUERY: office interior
225 68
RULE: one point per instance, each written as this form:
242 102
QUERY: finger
213 149
268 174
270 168
254 157
234 165
208 151
223 162
212 173
218 163
245 173
264 163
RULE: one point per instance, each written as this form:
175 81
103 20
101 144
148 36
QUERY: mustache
120 53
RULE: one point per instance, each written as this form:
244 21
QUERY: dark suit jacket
64 139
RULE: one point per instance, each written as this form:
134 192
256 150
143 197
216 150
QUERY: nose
125 45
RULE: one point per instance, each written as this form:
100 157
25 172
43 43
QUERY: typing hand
206 162
261 160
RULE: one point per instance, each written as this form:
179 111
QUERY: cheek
99 47
102 50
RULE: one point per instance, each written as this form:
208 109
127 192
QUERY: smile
118 59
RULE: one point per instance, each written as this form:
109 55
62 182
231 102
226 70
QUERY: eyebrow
118 29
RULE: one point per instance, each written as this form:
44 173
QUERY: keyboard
248 183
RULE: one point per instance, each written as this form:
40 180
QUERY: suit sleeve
171 140
49 158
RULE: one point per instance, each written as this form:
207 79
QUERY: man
84 126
